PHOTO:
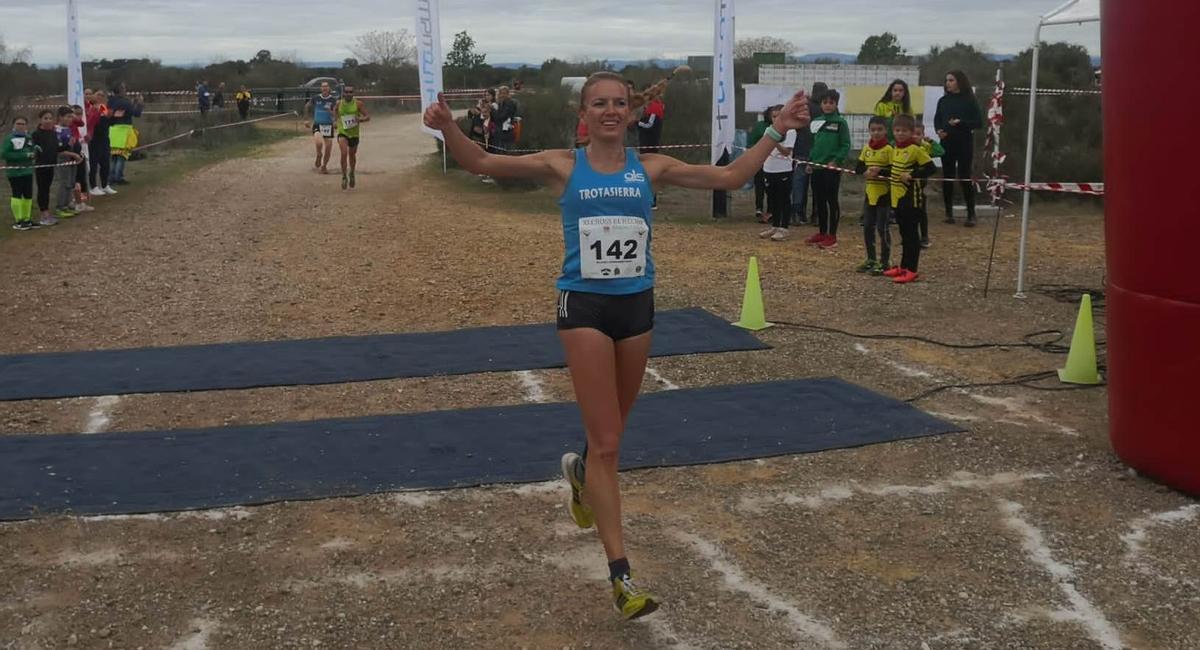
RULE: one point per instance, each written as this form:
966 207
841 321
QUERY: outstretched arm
473 158
670 171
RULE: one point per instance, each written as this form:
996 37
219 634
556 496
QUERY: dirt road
1023 532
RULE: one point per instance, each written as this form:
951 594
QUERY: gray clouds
186 31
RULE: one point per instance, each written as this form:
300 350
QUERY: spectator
203 96
801 179
79 141
957 116
760 177
99 149
66 174
505 118
243 101
650 129
896 100
218 100
17 155
121 136
778 170
831 145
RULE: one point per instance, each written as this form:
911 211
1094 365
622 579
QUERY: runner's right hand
438 116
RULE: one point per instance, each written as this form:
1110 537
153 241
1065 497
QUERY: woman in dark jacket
957 116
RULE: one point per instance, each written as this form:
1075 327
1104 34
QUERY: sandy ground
1024 531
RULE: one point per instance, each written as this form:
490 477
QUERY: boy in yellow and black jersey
875 158
910 163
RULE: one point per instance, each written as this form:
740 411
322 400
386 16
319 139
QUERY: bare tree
388 49
746 48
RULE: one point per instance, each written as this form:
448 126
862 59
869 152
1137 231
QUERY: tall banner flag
74 65
724 92
429 56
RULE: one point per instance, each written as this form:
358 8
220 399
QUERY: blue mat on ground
156 471
336 360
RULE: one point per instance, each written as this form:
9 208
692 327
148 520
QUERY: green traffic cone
753 315
1081 361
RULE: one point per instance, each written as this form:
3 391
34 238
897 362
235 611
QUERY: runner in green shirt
350 113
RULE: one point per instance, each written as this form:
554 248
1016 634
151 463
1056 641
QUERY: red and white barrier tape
186 133
1055 91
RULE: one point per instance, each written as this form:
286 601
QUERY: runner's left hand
795 113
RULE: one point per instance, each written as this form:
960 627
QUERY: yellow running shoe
631 601
572 466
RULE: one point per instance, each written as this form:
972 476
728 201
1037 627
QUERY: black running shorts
353 142
618 317
317 129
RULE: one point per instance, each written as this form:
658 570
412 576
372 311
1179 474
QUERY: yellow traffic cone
753 316
1081 361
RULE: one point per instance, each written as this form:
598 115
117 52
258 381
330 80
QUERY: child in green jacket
17 154
831 146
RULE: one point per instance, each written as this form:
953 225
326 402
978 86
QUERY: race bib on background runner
612 247
18 143
326 130
349 122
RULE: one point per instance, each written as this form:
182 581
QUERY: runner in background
350 113
322 125
243 102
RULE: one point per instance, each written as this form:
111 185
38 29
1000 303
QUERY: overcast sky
189 31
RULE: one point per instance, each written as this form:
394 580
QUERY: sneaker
345 182
970 221
632 601
780 234
866 266
489 180
925 243
64 213
84 207
829 243
766 234
758 216
351 180
892 272
23 225
572 469
905 277
949 220
814 238
47 220
96 191
120 181
877 269
109 190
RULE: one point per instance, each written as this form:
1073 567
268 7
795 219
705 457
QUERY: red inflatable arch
1152 227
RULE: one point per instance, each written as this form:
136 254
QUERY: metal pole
443 159
1033 82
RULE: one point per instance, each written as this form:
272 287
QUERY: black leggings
45 178
100 155
760 190
957 164
22 187
908 219
779 198
826 185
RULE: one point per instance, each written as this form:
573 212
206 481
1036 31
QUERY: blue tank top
606 221
323 109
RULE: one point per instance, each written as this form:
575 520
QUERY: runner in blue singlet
606 290
322 125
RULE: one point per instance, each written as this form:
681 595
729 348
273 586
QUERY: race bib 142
612 247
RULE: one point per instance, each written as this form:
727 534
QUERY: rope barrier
992 183
1054 91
